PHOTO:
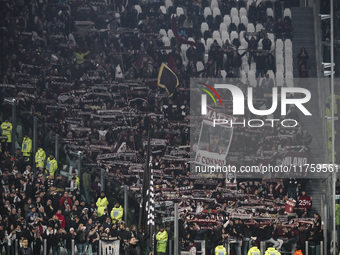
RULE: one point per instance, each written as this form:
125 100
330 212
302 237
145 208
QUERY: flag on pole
167 79
148 216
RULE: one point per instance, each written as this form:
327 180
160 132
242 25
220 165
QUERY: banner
290 204
110 247
294 158
213 144
305 202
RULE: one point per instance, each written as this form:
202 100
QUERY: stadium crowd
85 71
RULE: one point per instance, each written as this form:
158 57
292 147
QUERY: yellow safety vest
272 251
7 130
101 204
51 166
26 147
254 251
117 214
220 250
80 56
40 158
162 238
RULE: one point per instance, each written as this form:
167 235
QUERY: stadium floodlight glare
325 16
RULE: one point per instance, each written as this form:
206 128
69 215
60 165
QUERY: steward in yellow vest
272 251
40 157
51 166
26 147
117 213
162 239
254 251
220 250
101 204
6 128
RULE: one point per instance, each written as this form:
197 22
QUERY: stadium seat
271 36
279 78
260 45
289 59
166 41
168 3
235 20
163 32
252 78
184 48
227 20
288 44
273 45
216 11
250 28
206 56
163 9
289 79
213 4
249 2
279 44
209 42
233 35
223 27
216 34
244 44
270 12
199 66
279 59
170 33
288 53
204 27
225 36
288 68
245 67
219 41
179 11
243 76
287 13
233 12
243 12
259 27
223 74
191 39
207 12
244 20
138 9
271 74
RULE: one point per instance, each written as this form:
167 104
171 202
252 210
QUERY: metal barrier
202 251
16 249
230 241
72 246
170 247
262 247
45 247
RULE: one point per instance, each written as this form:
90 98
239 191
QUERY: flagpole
142 207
